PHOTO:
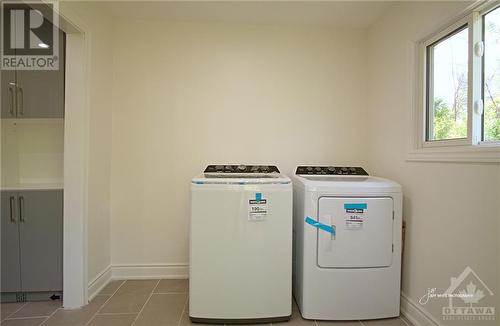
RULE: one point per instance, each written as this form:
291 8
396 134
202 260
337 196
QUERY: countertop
33 186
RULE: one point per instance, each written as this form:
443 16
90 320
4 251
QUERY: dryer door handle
325 227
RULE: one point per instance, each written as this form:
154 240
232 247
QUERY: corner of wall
99 282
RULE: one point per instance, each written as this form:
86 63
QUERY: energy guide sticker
354 216
257 208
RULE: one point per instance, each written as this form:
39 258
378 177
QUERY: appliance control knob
318 168
331 169
229 167
219 167
344 169
309 168
242 167
264 168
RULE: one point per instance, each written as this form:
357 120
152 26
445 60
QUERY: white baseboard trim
416 314
136 272
150 271
99 282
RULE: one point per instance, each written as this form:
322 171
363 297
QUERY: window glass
447 74
491 87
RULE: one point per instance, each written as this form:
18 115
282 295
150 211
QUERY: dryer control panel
330 170
241 169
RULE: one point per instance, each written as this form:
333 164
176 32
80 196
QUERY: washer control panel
241 169
330 170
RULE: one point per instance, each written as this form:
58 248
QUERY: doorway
32 175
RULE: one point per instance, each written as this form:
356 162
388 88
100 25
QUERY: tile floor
137 302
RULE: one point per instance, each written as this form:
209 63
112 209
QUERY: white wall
97 26
186 95
452 210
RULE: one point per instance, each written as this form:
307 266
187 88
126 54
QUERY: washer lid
214 178
241 174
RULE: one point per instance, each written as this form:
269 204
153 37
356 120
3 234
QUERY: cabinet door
40 93
8 94
41 235
11 273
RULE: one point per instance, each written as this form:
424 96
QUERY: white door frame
76 133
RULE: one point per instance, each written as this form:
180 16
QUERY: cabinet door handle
21 209
12 204
20 101
12 98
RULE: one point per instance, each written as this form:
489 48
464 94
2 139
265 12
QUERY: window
491 76
458 107
447 71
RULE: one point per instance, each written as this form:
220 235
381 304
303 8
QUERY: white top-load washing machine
241 245
347 244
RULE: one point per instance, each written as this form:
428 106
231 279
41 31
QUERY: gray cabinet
40 94
41 239
9 109
33 240
11 268
34 94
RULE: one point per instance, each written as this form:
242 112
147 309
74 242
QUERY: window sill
484 153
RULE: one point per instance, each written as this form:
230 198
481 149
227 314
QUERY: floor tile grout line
115 313
170 292
104 303
183 310
145 303
156 286
30 317
404 321
52 314
22 306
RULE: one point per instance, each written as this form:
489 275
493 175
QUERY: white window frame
471 148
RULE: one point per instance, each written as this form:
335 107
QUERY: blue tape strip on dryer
321 226
356 206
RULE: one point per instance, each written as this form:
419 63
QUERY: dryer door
363 232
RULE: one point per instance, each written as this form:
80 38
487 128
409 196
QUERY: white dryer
347 244
240 245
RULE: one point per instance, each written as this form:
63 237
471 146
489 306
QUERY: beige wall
99 174
451 209
186 95
97 25
169 98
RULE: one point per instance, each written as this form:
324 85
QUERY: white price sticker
257 209
354 217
